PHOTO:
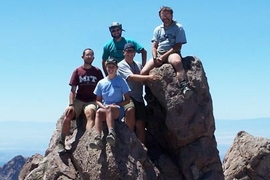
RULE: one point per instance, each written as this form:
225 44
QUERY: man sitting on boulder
167 41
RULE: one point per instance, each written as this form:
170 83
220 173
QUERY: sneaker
187 92
61 147
97 143
111 139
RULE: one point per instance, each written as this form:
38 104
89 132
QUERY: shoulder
102 81
138 46
138 63
159 27
95 68
80 68
129 40
108 43
119 78
178 25
122 63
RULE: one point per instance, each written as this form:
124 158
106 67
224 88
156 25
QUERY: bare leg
130 118
100 116
66 123
140 130
97 142
65 130
90 117
175 60
148 67
112 113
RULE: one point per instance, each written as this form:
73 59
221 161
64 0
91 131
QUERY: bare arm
99 102
125 101
72 94
104 67
144 56
154 49
142 78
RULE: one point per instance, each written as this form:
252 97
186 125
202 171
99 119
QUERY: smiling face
116 32
129 54
166 17
88 56
111 69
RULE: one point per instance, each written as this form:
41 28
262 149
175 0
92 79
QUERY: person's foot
187 92
111 139
97 143
61 147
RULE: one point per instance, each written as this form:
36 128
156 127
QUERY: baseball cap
114 25
111 61
129 45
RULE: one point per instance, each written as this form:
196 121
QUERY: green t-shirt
114 49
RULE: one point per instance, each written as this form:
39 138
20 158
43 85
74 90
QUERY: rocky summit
11 170
180 141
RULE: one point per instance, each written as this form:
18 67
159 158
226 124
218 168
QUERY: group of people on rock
119 95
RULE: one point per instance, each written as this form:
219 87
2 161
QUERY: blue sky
41 43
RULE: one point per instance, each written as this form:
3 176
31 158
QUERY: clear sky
41 44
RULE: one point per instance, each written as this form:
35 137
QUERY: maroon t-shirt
86 80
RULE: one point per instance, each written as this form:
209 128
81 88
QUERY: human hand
69 110
157 61
153 77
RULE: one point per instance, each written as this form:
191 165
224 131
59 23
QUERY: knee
67 119
89 113
99 112
130 111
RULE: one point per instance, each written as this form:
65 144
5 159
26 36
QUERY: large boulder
247 158
180 142
127 160
181 131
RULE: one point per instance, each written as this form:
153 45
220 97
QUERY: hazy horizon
29 138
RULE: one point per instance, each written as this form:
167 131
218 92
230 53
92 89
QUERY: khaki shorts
80 106
130 104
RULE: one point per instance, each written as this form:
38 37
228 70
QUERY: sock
62 137
182 84
111 130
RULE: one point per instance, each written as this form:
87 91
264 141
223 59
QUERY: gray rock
248 158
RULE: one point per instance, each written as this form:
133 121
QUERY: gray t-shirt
167 37
125 70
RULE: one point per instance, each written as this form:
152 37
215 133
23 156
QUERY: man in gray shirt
130 71
167 42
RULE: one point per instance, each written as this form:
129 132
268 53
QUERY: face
116 32
111 69
129 53
166 17
88 56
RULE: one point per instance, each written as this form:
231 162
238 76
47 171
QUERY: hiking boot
61 147
111 139
97 143
187 92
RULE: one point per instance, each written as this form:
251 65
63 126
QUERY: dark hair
86 50
165 8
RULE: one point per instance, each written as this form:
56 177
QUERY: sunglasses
115 30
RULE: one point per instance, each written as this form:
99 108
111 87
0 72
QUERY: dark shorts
166 60
140 110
